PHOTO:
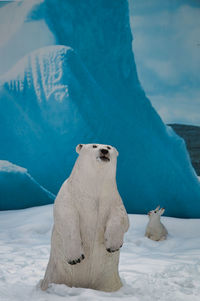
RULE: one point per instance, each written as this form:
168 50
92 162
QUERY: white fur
89 218
155 230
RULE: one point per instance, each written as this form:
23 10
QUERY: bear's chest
93 210
93 215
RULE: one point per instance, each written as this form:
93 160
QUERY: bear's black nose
104 151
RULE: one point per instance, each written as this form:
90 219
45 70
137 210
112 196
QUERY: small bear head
98 153
156 212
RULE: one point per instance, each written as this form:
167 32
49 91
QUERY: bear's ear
78 148
116 151
161 211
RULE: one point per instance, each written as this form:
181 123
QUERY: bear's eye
108 147
94 146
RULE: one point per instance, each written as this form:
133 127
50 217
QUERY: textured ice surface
150 271
18 189
51 103
84 91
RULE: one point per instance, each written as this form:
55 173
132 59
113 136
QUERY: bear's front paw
113 238
76 260
113 246
113 243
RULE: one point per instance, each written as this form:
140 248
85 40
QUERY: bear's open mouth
104 158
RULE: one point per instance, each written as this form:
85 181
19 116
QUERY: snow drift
84 91
166 270
16 184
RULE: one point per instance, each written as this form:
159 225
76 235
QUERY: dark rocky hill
191 135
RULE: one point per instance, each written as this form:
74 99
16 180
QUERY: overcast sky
167 53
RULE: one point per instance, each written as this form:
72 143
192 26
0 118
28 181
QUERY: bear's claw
111 250
72 262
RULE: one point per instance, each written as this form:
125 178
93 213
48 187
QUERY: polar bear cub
155 230
89 223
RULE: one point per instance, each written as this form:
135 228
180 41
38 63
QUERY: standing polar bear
89 224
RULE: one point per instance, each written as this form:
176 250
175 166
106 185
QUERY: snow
167 270
6 166
85 89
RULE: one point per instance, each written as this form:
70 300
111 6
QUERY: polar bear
89 223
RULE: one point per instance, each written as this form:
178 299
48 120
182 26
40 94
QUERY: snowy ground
167 270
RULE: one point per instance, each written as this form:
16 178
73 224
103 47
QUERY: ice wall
87 90
18 189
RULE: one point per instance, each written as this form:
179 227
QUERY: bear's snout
104 151
104 155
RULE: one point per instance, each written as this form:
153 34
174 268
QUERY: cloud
167 52
165 70
179 108
169 38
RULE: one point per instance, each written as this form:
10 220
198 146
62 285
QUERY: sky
166 45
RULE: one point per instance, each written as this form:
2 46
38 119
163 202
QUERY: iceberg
84 88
